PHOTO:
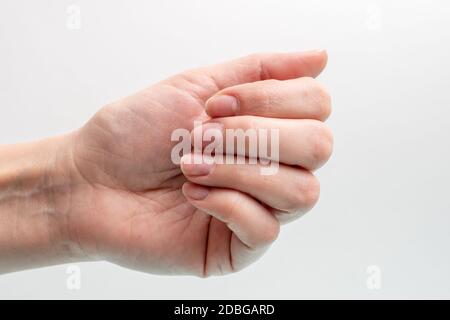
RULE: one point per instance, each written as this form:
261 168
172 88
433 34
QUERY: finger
301 142
288 189
296 98
263 66
254 227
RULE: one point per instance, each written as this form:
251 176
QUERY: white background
385 192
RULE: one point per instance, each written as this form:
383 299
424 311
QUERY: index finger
264 66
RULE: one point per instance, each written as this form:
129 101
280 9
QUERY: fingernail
195 192
222 106
196 164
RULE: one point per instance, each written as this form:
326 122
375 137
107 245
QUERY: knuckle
268 232
311 192
259 97
320 96
254 57
323 98
234 206
322 144
181 79
271 232
257 59
306 192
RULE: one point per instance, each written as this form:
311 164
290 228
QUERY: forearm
34 193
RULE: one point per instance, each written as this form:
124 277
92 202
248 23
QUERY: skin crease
120 198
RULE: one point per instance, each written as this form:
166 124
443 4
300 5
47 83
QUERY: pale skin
109 190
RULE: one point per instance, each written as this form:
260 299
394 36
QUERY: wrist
37 181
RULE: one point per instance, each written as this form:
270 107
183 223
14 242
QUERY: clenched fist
111 190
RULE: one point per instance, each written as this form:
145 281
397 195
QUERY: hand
130 204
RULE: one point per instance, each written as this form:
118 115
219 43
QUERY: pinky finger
254 227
